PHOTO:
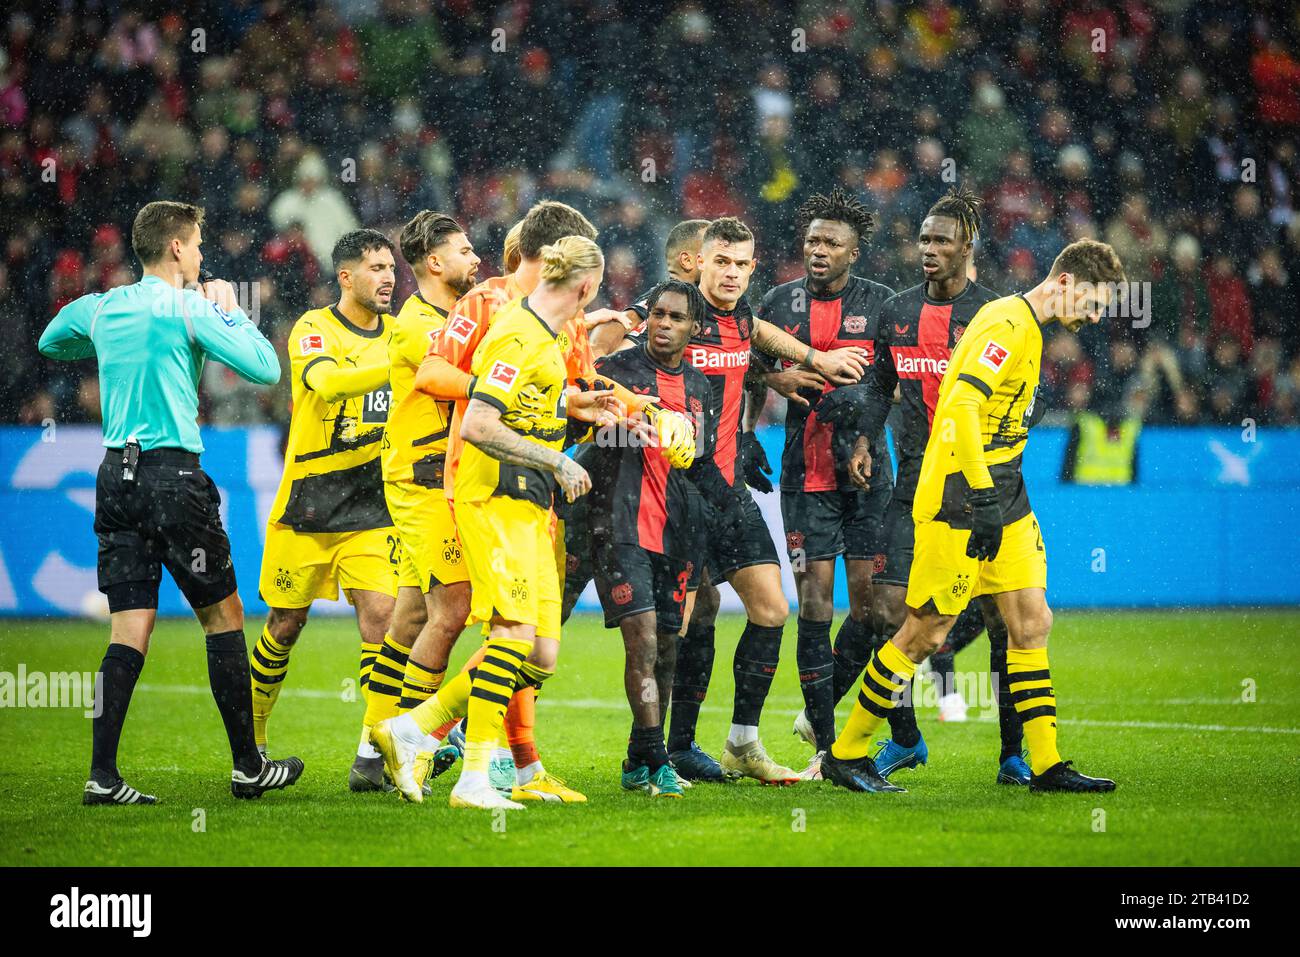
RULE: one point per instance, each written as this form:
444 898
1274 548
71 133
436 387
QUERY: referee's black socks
119 672
816 678
231 688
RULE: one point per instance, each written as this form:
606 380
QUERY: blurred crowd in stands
1168 128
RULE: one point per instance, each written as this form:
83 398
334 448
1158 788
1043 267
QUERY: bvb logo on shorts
283 580
961 586
519 590
451 551
622 594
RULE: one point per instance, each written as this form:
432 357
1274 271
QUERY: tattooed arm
838 366
482 427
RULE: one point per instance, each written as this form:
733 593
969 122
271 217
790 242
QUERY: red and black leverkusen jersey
915 340
636 497
721 352
848 318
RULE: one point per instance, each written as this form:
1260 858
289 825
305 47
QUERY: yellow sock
492 685
883 680
1030 684
449 704
267 667
369 650
386 676
418 685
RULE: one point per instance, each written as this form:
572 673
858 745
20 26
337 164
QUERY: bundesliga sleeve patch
461 328
994 355
502 374
309 344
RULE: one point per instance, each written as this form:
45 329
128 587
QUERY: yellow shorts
431 552
299 567
943 573
510 549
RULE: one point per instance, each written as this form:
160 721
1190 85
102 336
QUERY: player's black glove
985 524
754 464
843 405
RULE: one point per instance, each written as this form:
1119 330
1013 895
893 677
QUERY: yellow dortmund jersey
415 439
999 354
520 371
332 480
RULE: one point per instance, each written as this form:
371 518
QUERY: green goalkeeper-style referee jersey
151 340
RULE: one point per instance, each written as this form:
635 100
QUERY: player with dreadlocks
824 513
918 330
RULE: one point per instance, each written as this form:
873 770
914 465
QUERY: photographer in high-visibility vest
1103 448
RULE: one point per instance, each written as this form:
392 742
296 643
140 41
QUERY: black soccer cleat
859 774
118 792
1062 777
367 774
273 776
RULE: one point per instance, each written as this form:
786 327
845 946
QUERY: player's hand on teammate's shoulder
841 366
860 463
789 382
598 317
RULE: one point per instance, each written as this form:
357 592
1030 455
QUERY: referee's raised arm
155 507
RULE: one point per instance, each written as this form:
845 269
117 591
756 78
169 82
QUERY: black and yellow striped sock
492 684
418 684
267 668
386 678
369 650
1031 692
884 682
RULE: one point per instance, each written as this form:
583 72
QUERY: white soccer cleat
399 757
952 707
482 797
814 770
804 729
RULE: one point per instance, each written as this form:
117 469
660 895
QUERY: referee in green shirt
154 506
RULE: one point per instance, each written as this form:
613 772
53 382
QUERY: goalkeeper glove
754 464
985 524
676 435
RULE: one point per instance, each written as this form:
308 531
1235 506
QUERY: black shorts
821 526
729 549
633 581
898 539
169 516
578 549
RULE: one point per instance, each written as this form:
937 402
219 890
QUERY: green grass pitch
1154 700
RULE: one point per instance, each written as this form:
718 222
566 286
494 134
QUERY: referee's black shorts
169 516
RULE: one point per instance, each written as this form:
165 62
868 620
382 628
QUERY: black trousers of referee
167 514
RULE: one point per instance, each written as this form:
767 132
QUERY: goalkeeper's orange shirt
468 323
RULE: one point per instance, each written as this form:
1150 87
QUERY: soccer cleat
858 774
483 798
1062 777
367 774
814 770
804 729
636 778
891 756
119 792
1014 770
695 764
665 783
751 761
443 759
273 776
399 760
952 707
547 787
456 736
261 749
501 774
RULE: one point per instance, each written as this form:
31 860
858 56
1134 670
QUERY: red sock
521 717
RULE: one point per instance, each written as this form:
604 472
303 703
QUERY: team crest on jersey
562 340
793 541
994 355
622 593
696 407
503 374
309 344
855 323
956 334
742 326
461 327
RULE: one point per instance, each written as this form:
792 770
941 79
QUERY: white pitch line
602 704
